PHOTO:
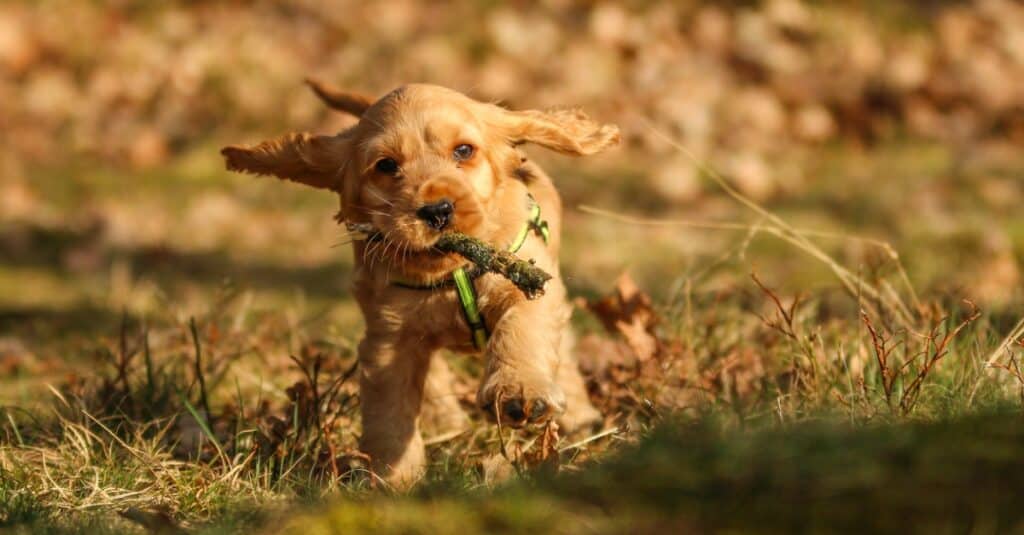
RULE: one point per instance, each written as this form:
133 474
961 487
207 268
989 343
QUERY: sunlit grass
107 444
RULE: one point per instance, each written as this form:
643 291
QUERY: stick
529 278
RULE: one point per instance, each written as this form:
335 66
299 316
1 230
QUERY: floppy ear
346 101
565 131
312 160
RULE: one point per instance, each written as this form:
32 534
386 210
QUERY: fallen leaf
597 354
627 311
544 453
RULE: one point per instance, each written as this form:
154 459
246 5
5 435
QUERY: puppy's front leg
522 358
393 370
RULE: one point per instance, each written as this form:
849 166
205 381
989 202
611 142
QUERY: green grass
947 477
950 476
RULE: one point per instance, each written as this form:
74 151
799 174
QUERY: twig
529 278
785 323
911 393
788 315
882 353
934 350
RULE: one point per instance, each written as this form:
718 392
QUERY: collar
462 278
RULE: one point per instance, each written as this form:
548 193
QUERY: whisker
370 254
387 273
368 251
373 211
379 196
381 250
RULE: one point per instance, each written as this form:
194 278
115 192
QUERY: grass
177 343
946 477
175 376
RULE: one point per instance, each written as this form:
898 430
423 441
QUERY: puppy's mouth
396 246
406 238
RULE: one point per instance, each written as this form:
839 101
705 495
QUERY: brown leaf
628 312
640 340
544 454
598 354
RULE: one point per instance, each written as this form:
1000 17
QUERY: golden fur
404 386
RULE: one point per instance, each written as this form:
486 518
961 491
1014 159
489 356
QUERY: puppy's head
422 160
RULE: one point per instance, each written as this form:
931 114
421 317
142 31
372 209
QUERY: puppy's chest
438 316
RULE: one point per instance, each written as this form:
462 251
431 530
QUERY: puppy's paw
522 397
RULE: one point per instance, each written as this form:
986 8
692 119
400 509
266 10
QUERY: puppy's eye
463 152
388 166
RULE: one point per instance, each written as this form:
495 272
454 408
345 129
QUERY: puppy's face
426 161
422 160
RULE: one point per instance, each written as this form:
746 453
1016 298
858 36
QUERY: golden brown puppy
423 160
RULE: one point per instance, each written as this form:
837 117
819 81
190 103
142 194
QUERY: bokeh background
145 292
902 121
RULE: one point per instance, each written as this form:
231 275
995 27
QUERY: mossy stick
529 278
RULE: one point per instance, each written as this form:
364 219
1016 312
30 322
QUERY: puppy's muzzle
438 215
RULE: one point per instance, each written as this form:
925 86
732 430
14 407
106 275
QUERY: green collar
462 278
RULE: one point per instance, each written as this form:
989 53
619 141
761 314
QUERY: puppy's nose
437 215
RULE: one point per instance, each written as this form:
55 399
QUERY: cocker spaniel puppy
421 161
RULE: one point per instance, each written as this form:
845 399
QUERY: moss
529 278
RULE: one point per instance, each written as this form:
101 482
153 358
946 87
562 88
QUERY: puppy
421 161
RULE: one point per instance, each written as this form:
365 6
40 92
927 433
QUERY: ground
832 346
727 362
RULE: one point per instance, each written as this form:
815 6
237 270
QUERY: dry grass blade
733 225
774 224
503 447
990 363
595 437
844 275
1015 334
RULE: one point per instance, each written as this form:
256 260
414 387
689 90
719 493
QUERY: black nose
437 215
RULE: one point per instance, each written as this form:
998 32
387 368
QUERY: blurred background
903 121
